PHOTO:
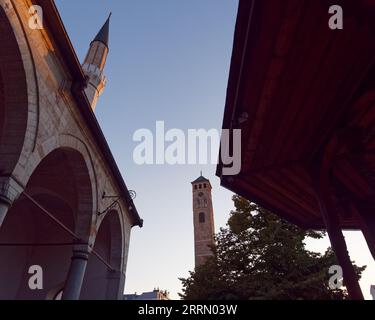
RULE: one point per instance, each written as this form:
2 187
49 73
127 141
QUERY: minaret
94 64
204 227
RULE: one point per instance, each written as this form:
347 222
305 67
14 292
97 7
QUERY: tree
261 256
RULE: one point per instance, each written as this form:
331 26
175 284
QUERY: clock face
200 194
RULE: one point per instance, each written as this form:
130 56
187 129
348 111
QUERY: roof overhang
298 84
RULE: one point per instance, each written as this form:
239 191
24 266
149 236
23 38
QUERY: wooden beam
367 221
338 243
320 173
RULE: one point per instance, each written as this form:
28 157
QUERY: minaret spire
94 64
103 34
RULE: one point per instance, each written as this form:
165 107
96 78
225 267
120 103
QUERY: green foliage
261 256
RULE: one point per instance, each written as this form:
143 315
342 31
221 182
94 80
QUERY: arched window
205 203
202 217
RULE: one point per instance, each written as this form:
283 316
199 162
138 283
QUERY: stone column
76 274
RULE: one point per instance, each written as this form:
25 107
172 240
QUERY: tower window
195 187
205 185
202 217
200 186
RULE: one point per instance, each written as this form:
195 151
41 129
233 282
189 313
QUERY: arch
61 183
80 159
27 225
101 283
77 156
61 141
13 98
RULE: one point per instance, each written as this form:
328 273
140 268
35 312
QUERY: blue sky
169 60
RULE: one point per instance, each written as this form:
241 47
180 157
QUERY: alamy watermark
36 279
336 21
36 17
196 146
336 281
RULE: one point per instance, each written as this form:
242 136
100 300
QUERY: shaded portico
303 96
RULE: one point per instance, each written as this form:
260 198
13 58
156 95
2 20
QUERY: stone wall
53 118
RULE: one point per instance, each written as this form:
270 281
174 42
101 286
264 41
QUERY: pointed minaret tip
103 34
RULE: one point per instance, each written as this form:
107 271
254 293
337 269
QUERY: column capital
81 252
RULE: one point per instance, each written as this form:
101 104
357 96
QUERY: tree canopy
261 256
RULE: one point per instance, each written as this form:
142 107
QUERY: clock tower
203 217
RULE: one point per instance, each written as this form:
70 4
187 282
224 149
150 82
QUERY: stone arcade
56 166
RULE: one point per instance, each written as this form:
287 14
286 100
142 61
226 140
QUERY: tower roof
103 34
201 179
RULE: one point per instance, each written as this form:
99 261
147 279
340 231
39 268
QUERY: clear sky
169 61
